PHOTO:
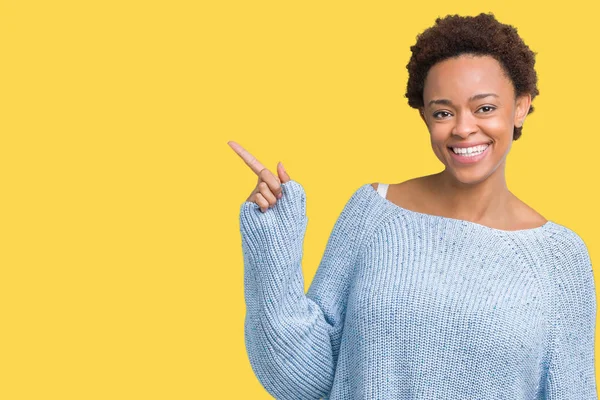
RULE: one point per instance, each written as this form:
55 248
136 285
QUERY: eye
488 107
436 114
444 114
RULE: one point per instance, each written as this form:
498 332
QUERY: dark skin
474 192
418 194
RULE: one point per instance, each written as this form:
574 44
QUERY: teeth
470 150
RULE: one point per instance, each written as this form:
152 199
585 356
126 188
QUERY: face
468 100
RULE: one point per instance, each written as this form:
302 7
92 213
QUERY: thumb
283 176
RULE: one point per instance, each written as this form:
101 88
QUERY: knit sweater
407 305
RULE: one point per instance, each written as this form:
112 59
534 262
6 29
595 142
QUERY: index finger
248 158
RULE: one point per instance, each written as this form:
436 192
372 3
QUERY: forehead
461 77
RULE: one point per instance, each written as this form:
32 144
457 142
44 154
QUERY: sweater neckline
452 220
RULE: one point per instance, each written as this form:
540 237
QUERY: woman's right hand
268 188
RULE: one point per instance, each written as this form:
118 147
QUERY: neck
483 201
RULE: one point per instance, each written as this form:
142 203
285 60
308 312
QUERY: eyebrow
449 103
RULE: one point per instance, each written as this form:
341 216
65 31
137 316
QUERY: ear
522 109
422 114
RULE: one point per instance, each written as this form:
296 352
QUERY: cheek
439 140
497 126
440 133
500 130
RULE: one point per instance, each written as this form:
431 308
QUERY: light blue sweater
406 305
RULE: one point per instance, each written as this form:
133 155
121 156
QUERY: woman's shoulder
563 237
525 216
411 194
405 185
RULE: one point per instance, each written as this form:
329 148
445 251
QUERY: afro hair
455 35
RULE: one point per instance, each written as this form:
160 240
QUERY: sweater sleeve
571 371
292 339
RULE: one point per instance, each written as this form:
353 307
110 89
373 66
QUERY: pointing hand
268 189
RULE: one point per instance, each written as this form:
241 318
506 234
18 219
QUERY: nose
465 124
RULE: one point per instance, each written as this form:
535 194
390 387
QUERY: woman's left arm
571 372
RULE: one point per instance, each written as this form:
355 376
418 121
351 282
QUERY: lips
467 160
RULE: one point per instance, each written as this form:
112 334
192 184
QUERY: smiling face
469 100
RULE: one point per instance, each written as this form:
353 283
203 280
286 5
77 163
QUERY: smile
469 155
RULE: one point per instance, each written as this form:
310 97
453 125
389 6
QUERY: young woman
445 286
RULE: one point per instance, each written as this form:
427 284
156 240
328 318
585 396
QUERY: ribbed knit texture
406 305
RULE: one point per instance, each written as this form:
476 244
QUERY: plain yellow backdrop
121 270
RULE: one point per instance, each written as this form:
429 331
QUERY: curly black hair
455 35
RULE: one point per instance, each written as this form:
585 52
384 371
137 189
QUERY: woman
445 286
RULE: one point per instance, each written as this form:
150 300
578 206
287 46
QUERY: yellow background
121 271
